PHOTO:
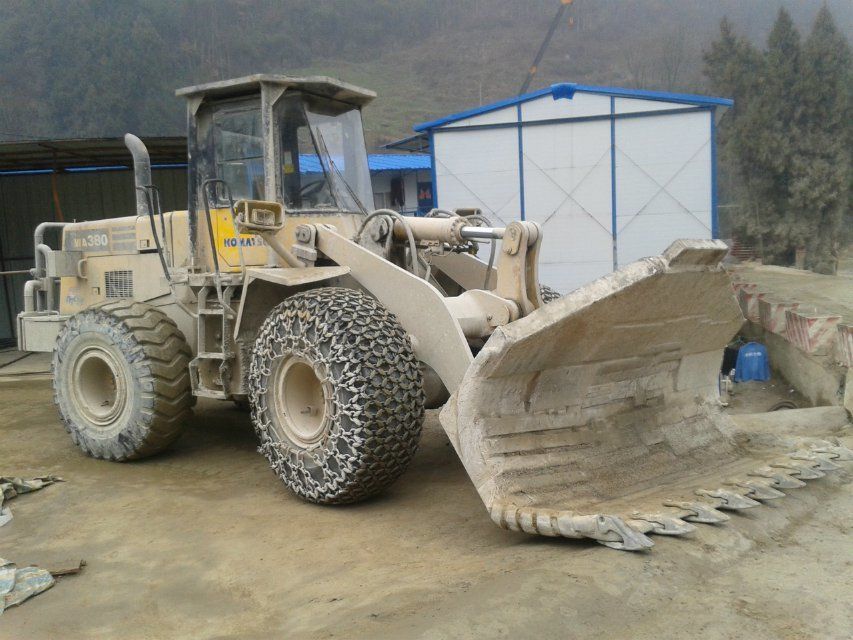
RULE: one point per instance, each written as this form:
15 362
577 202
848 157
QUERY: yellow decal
228 245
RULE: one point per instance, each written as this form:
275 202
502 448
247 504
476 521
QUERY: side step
210 370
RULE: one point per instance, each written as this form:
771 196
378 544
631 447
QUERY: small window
238 140
381 199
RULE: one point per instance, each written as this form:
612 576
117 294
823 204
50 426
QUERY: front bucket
598 415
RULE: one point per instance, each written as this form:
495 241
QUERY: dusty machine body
595 415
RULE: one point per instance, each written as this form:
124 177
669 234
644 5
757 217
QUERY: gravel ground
204 542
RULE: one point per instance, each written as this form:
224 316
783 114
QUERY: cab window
238 141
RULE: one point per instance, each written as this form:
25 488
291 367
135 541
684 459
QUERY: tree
821 171
774 119
733 67
788 140
673 56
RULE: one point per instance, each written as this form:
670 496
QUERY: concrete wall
817 378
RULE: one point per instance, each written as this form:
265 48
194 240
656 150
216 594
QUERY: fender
420 308
279 277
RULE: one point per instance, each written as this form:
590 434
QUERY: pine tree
789 138
733 65
774 121
820 195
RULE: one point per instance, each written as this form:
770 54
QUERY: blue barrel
752 363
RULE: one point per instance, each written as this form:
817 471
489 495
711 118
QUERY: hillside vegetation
103 67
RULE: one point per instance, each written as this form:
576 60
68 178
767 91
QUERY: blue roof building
611 174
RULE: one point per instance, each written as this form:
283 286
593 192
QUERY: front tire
121 380
336 394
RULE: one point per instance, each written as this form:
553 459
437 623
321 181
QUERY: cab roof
319 85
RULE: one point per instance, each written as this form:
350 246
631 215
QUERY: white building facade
611 175
402 182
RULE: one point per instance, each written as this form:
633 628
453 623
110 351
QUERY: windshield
323 158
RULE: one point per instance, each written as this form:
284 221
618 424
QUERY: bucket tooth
821 461
627 538
610 531
758 490
800 470
777 478
660 523
729 499
834 452
699 512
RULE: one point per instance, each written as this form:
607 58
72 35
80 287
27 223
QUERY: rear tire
337 396
121 380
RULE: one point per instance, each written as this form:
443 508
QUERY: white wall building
400 181
612 175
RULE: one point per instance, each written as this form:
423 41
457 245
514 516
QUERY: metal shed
611 174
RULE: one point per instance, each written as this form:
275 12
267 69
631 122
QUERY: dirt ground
204 542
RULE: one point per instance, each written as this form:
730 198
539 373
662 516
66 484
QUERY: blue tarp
752 363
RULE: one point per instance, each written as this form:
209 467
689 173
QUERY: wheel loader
591 415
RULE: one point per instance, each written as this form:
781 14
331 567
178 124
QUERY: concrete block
738 285
771 313
844 345
748 300
811 330
815 377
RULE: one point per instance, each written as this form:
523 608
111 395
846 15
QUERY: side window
304 177
238 140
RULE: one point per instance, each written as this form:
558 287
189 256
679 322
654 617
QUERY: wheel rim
301 403
99 388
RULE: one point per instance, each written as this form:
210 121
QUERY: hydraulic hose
413 248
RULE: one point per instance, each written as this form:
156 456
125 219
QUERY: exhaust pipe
141 170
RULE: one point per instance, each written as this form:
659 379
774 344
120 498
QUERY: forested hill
102 67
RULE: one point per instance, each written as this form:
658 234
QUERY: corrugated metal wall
610 179
27 200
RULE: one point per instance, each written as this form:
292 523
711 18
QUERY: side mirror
258 216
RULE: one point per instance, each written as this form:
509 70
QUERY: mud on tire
370 388
121 380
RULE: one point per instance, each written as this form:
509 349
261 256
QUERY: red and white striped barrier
748 298
845 345
810 330
771 313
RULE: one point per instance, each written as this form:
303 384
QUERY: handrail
159 212
217 275
205 186
147 190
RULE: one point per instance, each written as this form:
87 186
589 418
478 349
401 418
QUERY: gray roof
322 85
59 155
